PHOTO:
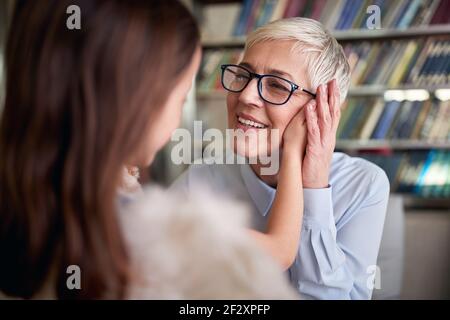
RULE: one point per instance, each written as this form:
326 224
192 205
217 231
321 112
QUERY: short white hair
325 57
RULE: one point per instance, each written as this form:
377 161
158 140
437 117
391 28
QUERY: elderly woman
287 66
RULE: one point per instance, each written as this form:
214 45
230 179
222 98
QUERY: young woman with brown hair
80 106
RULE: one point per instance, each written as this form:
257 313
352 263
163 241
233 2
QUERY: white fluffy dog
196 248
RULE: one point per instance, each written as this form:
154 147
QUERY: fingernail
311 107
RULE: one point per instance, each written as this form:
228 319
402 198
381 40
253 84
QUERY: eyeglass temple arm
309 92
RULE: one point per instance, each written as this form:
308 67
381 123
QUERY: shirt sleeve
337 260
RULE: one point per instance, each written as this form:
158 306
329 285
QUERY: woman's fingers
323 110
331 97
312 123
334 102
328 111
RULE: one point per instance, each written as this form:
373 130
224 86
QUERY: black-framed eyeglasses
271 88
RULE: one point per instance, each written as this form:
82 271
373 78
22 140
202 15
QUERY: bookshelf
345 36
427 27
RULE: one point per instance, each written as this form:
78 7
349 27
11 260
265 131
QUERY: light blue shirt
342 224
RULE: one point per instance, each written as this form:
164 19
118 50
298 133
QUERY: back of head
77 103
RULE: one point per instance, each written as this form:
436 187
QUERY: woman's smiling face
275 58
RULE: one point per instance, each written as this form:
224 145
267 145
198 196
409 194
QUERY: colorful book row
376 119
244 17
422 173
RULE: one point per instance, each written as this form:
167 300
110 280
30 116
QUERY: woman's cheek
231 107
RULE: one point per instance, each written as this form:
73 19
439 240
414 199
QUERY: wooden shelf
411 201
379 90
382 34
391 144
348 35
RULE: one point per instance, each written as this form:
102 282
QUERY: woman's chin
262 155
248 153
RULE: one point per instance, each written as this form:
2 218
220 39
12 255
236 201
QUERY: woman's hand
322 123
294 136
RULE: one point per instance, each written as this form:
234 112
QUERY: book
278 11
409 14
444 130
399 72
345 114
255 11
400 121
418 125
428 123
240 27
406 130
345 11
386 118
441 16
293 8
372 120
219 20
389 17
266 12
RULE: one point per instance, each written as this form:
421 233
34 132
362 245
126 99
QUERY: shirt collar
261 193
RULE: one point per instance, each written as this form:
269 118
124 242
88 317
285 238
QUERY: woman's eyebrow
274 72
247 65
280 73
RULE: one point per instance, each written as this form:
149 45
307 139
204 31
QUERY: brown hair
77 105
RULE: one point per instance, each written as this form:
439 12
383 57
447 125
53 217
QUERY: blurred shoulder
215 177
196 247
162 205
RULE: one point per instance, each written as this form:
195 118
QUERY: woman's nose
250 95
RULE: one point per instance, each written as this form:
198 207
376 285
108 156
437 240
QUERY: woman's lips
245 127
246 122
249 117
